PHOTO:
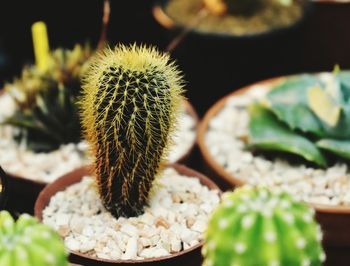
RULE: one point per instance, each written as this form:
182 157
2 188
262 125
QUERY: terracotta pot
334 221
3 188
219 62
190 256
23 191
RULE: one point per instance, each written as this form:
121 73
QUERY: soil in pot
173 222
222 142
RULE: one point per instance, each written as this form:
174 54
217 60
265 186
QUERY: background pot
190 256
334 220
217 62
22 191
4 188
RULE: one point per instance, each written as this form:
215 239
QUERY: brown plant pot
334 220
191 256
23 192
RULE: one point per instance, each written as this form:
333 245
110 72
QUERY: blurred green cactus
307 116
257 226
26 242
131 99
46 101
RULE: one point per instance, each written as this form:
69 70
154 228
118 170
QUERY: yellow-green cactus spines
257 226
131 98
26 242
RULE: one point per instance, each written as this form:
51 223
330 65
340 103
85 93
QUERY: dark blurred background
322 41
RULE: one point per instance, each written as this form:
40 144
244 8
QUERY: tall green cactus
256 226
131 98
28 243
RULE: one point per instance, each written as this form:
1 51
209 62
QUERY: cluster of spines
257 226
131 99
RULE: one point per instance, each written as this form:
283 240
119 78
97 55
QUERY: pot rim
331 2
169 23
220 170
77 174
189 109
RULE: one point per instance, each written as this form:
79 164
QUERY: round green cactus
27 243
131 99
257 226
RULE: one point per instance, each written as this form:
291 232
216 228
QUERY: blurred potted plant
291 133
27 242
231 45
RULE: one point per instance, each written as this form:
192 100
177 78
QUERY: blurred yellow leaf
323 105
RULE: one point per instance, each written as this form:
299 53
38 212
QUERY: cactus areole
131 98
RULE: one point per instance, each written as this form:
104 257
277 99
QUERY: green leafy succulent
305 115
46 113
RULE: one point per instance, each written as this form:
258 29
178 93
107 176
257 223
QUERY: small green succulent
306 116
26 242
257 226
46 113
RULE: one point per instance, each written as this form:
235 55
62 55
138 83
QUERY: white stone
199 226
94 231
131 249
72 244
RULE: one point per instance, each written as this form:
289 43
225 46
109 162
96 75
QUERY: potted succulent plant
40 129
231 17
139 213
260 226
213 47
288 132
40 126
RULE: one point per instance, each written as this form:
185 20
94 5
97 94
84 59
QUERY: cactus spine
27 243
256 226
131 98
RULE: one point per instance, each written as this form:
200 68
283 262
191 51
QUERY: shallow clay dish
169 23
334 220
191 256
